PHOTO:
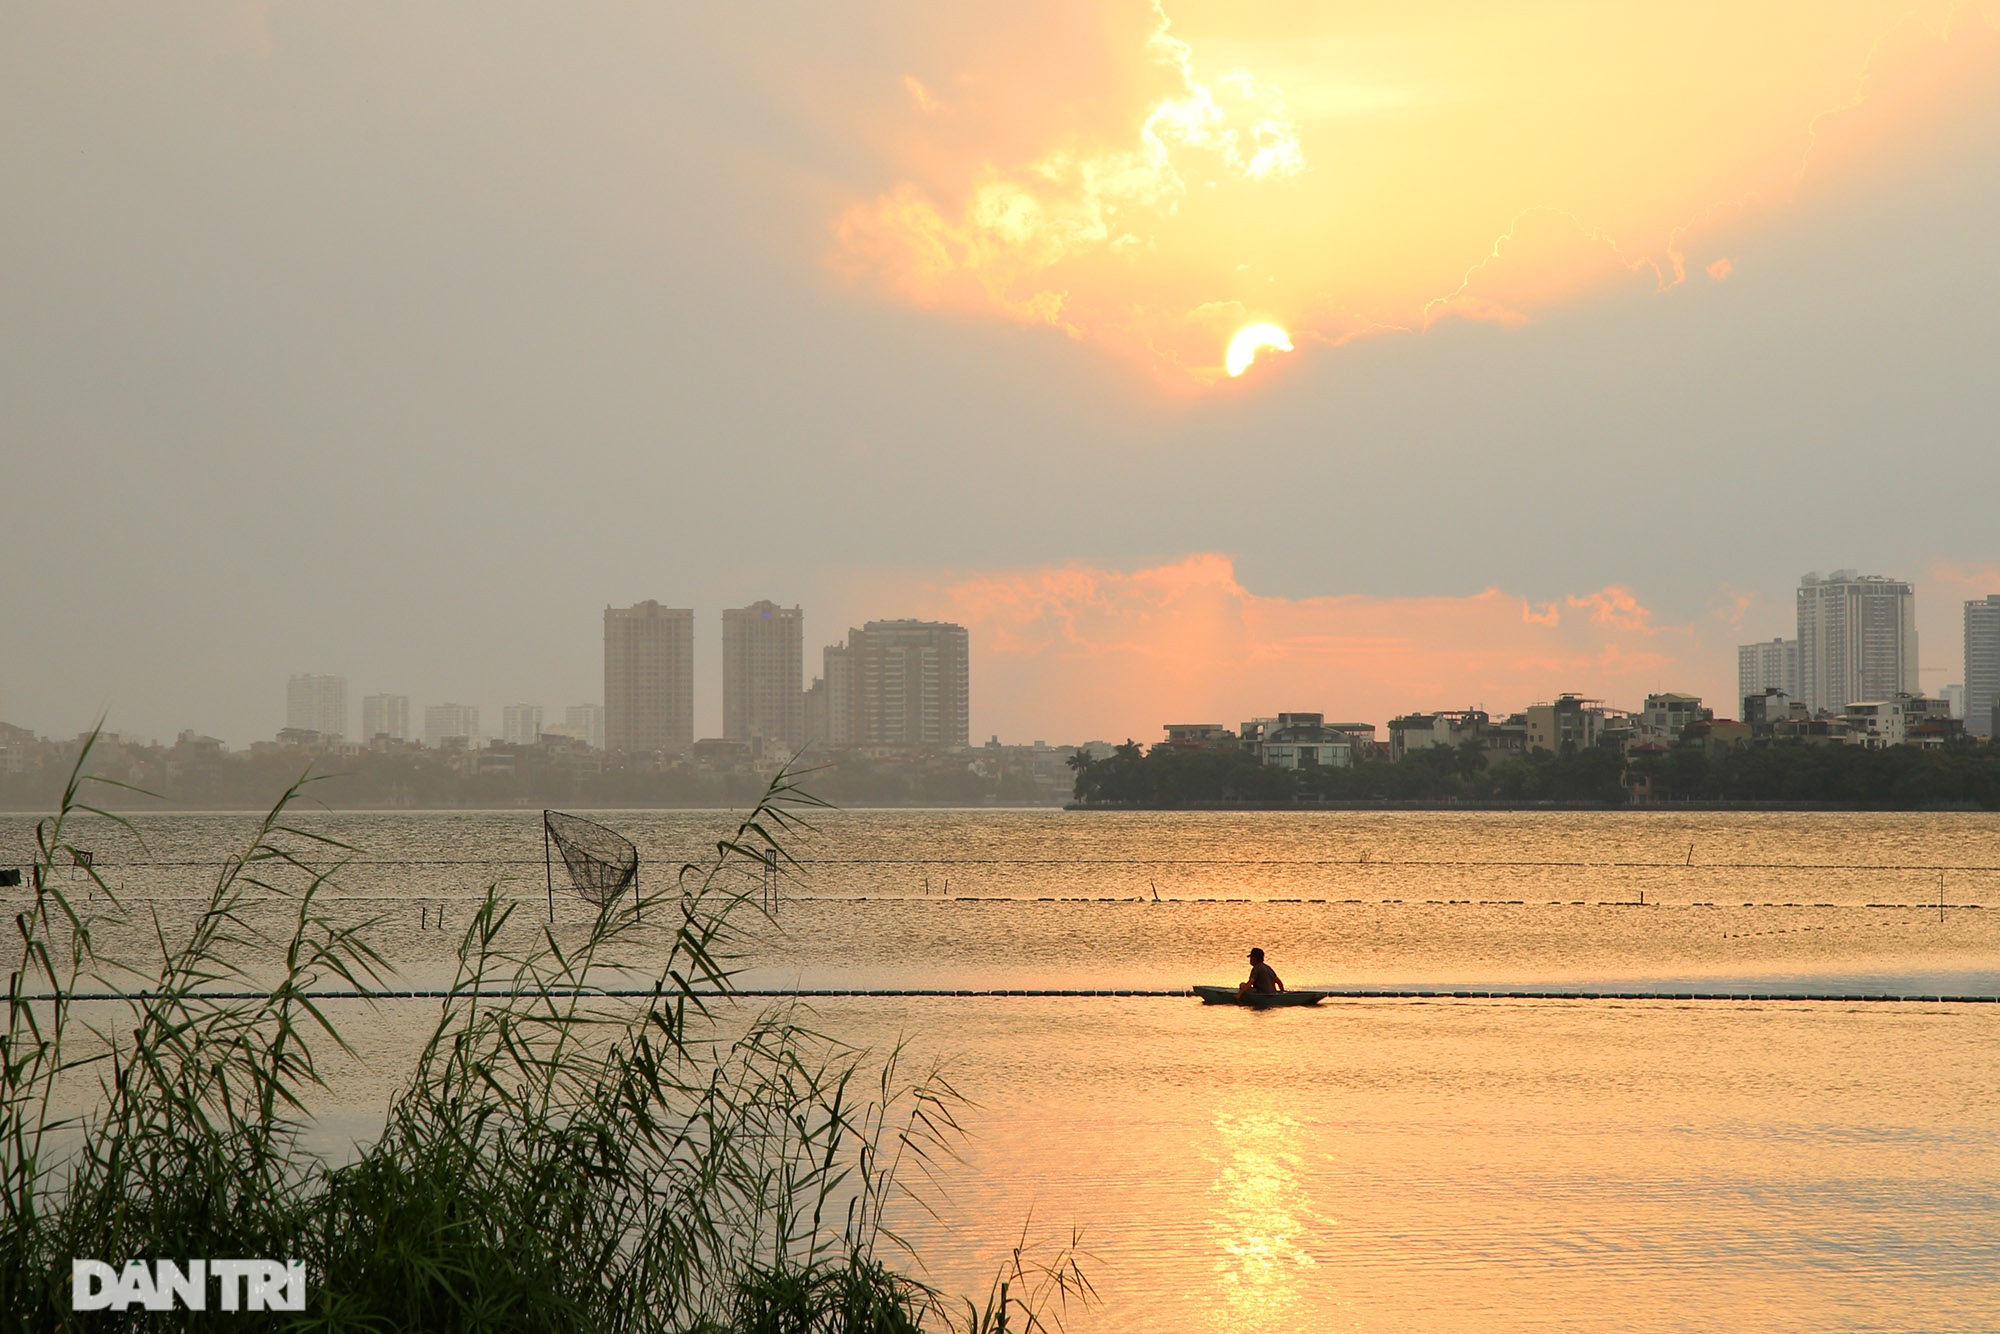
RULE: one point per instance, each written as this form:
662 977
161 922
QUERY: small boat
1258 1000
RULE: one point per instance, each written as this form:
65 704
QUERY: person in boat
1264 979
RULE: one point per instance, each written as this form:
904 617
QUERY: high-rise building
451 725
1857 639
317 703
838 663
385 715
907 684
648 678
521 724
1773 664
586 721
763 660
1982 664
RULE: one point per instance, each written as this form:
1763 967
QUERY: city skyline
711 705
1511 370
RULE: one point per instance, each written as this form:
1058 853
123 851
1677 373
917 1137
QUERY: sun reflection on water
1262 1221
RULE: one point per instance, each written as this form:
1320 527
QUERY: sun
1252 339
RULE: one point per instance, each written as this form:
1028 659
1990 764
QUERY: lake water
1392 1165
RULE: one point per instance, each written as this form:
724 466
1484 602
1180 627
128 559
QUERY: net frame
602 863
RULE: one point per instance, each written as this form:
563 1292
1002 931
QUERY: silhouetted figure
1264 979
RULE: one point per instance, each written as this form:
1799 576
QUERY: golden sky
1151 177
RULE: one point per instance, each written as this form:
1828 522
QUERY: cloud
1078 651
1336 171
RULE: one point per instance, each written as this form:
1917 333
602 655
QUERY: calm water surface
1366 1165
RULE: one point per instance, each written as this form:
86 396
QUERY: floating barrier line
465 897
1339 993
1371 863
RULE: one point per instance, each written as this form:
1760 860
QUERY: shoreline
1421 804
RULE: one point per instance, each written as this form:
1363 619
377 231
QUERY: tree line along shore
1963 776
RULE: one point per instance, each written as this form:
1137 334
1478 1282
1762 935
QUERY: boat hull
1267 1000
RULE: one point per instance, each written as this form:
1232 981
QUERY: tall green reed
557 1160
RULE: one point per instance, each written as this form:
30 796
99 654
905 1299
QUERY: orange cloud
1075 651
1149 178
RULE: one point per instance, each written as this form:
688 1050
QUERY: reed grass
555 1161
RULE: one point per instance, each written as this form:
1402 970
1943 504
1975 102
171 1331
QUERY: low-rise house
1878 723
1716 736
1304 741
1199 736
1666 714
1573 723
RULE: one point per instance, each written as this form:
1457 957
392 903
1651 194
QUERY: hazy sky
396 340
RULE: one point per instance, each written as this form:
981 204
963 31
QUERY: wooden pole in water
548 867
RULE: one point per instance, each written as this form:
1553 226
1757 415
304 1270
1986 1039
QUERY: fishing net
602 863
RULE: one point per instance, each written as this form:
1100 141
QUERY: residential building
1304 741
814 707
907 685
521 724
763 656
648 678
385 715
1771 665
1895 721
1570 723
1715 737
1857 639
317 703
1954 699
1768 708
586 723
451 726
1982 665
1666 714
1199 736
1421 731
829 705
1251 734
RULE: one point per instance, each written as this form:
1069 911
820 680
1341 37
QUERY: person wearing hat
1264 979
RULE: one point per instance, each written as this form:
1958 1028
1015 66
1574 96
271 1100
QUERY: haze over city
397 344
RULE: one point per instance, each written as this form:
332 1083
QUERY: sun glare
1252 339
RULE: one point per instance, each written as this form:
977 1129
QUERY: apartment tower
648 678
385 715
317 703
1761 667
521 724
907 684
454 726
1982 664
1857 639
763 668
586 721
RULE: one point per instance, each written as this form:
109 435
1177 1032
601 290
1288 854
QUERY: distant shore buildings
895 694
763 671
1772 665
648 678
385 716
1982 666
452 727
1857 639
894 684
317 703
